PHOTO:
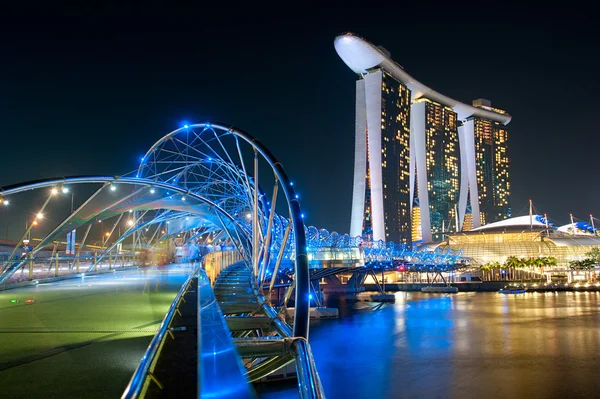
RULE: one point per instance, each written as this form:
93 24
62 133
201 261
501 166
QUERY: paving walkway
81 337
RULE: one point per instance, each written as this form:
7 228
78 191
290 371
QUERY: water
466 345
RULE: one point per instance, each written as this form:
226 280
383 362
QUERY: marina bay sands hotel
425 163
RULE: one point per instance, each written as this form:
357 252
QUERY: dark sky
86 89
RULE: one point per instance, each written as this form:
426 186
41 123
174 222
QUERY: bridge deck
81 337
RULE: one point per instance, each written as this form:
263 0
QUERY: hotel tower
425 164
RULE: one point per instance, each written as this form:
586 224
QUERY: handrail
309 382
137 380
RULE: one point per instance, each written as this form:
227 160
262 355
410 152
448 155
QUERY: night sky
86 89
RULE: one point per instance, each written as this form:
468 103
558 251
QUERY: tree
485 268
513 262
594 255
551 261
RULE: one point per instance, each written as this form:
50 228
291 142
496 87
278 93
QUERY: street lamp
107 234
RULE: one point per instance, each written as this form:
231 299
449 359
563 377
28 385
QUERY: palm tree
540 263
485 268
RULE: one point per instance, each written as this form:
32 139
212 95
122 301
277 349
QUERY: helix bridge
210 185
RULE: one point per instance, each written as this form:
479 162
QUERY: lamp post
107 234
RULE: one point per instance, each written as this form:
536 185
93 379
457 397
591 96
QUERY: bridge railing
143 370
38 268
217 261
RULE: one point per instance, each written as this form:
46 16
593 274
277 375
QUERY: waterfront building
414 145
524 237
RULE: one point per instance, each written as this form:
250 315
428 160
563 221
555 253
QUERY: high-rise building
492 167
381 204
437 163
414 145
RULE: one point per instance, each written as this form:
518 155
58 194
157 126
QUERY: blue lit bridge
203 188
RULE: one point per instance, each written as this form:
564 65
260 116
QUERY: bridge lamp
130 222
152 190
40 215
113 187
183 198
249 215
107 234
54 191
5 202
65 190
186 126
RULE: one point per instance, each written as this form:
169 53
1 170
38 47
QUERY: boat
513 289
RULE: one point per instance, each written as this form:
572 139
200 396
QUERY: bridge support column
95 257
56 265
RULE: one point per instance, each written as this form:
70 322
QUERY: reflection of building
413 144
523 237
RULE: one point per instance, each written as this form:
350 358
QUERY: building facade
415 147
381 204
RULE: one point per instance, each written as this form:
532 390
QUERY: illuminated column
373 113
360 161
468 178
417 134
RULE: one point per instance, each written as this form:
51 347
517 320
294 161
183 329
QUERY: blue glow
302 215
309 296
291 183
141 159
209 158
186 126
297 196
208 124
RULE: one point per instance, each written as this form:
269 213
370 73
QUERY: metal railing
137 381
309 383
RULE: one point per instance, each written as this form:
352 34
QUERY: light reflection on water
540 345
